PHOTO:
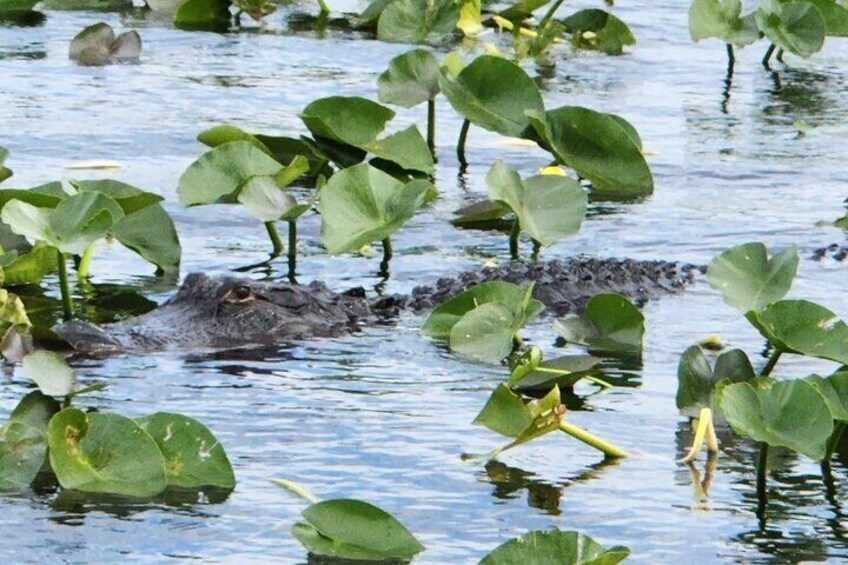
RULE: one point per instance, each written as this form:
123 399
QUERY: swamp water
385 414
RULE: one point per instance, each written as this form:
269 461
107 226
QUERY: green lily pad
203 15
748 279
346 119
722 19
361 204
417 21
555 547
835 16
13 7
598 147
563 372
23 440
611 324
412 78
354 529
606 33
50 372
790 414
150 232
697 380
30 267
834 389
493 93
485 333
406 148
548 207
484 214
797 27
193 456
101 452
4 154
507 414
799 326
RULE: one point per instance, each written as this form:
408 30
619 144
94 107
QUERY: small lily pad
610 325
50 372
563 372
23 440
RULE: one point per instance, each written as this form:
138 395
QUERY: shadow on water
796 93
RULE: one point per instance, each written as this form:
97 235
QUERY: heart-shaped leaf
101 452
697 380
722 19
412 78
748 279
485 333
23 440
555 547
417 21
346 119
563 372
50 372
611 325
797 27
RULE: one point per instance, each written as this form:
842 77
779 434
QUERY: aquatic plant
218 15
103 452
610 325
16 7
97 45
69 217
5 172
345 528
555 546
797 27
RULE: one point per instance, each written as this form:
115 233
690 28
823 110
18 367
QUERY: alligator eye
241 293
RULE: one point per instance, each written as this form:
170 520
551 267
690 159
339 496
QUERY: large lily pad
790 414
417 21
555 547
611 324
598 147
548 207
354 529
748 279
23 440
362 204
799 326
493 93
722 19
193 456
797 27
101 452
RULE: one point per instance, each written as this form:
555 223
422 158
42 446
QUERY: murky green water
384 415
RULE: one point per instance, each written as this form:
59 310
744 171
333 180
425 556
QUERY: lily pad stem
67 307
460 145
324 8
295 488
85 262
387 250
731 56
275 239
833 442
536 248
292 240
431 127
513 238
610 451
548 15
762 472
767 56
775 357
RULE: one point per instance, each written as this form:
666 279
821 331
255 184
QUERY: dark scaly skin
215 312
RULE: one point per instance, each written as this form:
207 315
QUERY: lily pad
485 333
346 119
598 30
697 379
193 456
412 78
23 440
50 372
799 326
4 154
834 389
790 414
484 214
507 414
598 147
797 27
555 547
611 325
101 452
563 372
203 15
748 279
361 204
354 529
722 19
548 207
493 93
417 21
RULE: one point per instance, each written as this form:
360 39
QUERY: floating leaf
598 147
493 93
799 326
23 440
598 30
354 529
610 324
697 380
563 372
205 15
361 204
50 372
780 413
101 452
417 21
797 27
555 547
412 78
722 19
748 279
193 456
548 207
485 333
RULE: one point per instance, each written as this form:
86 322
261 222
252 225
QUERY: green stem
67 307
460 145
387 250
85 262
431 127
772 362
767 56
292 239
762 472
324 8
731 56
513 238
833 442
780 55
550 13
295 488
609 450
536 248
275 239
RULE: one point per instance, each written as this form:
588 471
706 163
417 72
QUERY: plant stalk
85 262
292 251
460 145
275 239
762 473
731 56
296 489
767 56
536 248
67 306
513 238
610 451
775 357
387 250
548 15
431 127
324 8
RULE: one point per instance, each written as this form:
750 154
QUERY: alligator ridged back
565 286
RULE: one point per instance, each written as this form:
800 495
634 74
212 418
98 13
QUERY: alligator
225 311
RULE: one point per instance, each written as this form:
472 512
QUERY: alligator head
225 312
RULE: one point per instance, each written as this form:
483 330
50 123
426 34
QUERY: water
384 415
